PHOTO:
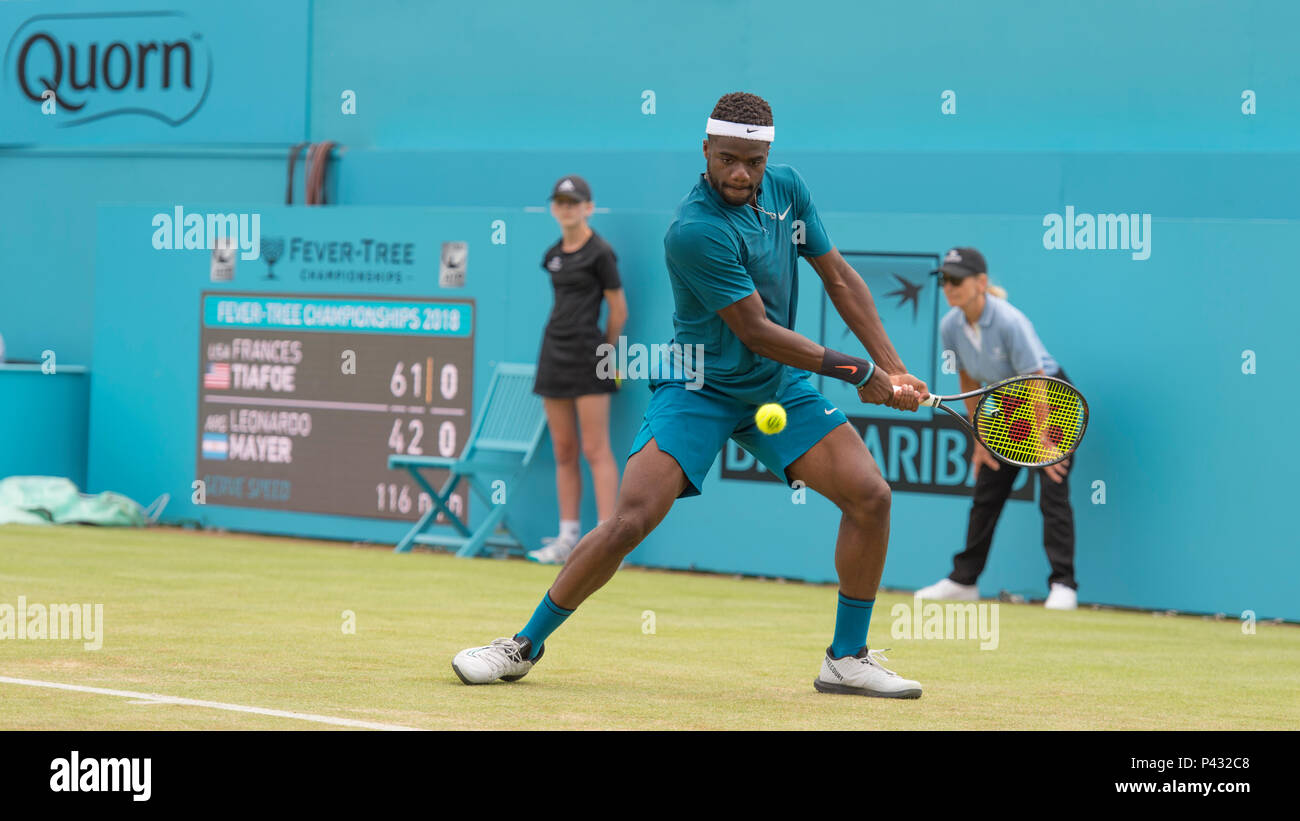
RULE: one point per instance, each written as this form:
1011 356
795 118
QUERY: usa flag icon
217 376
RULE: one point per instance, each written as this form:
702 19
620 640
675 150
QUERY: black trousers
992 487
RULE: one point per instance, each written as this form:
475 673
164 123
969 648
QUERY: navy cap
962 262
572 187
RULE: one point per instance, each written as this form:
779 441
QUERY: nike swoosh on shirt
786 211
829 412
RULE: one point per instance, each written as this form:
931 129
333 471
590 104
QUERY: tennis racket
1028 421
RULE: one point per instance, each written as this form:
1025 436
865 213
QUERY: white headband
723 128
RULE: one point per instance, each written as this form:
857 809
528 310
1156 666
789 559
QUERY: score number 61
448 381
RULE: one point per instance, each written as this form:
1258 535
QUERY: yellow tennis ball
770 418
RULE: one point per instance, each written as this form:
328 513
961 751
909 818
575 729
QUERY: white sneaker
949 589
1062 597
862 675
505 659
554 550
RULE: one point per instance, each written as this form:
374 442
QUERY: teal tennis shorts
692 426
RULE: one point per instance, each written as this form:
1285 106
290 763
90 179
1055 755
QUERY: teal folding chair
500 446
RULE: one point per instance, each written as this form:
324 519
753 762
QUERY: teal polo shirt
718 254
1008 345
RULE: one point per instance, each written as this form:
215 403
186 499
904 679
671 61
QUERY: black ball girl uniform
566 366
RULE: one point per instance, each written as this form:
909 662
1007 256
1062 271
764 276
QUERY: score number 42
399 442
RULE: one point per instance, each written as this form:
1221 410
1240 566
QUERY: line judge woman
583 270
993 341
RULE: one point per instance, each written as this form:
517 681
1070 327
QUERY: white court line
150 698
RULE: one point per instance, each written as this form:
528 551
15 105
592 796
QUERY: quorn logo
93 66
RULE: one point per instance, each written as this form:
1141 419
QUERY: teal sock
546 619
852 618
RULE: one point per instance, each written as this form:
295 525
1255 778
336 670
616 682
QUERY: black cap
572 187
962 262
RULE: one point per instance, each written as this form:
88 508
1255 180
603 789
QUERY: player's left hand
878 388
909 394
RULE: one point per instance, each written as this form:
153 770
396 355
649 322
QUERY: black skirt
567 368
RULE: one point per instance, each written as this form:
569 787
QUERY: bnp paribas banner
180 71
924 452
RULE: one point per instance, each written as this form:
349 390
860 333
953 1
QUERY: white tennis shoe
863 675
947 589
1062 597
554 550
505 659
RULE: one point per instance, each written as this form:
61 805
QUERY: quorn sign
64 63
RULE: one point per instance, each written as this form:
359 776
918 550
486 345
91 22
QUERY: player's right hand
908 392
983 457
1057 472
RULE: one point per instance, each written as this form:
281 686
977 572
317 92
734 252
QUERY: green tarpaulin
44 500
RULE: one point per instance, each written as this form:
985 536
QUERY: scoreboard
303 398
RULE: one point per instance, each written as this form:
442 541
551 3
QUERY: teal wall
1184 526
43 420
1108 107
1107 75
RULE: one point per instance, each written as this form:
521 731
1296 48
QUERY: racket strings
1031 421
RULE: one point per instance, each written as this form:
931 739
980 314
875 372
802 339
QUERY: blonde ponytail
989 288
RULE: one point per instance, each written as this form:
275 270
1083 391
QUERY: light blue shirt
1008 345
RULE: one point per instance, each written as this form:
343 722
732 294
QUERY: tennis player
583 270
993 340
732 256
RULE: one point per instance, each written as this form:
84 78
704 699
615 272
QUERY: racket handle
930 401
